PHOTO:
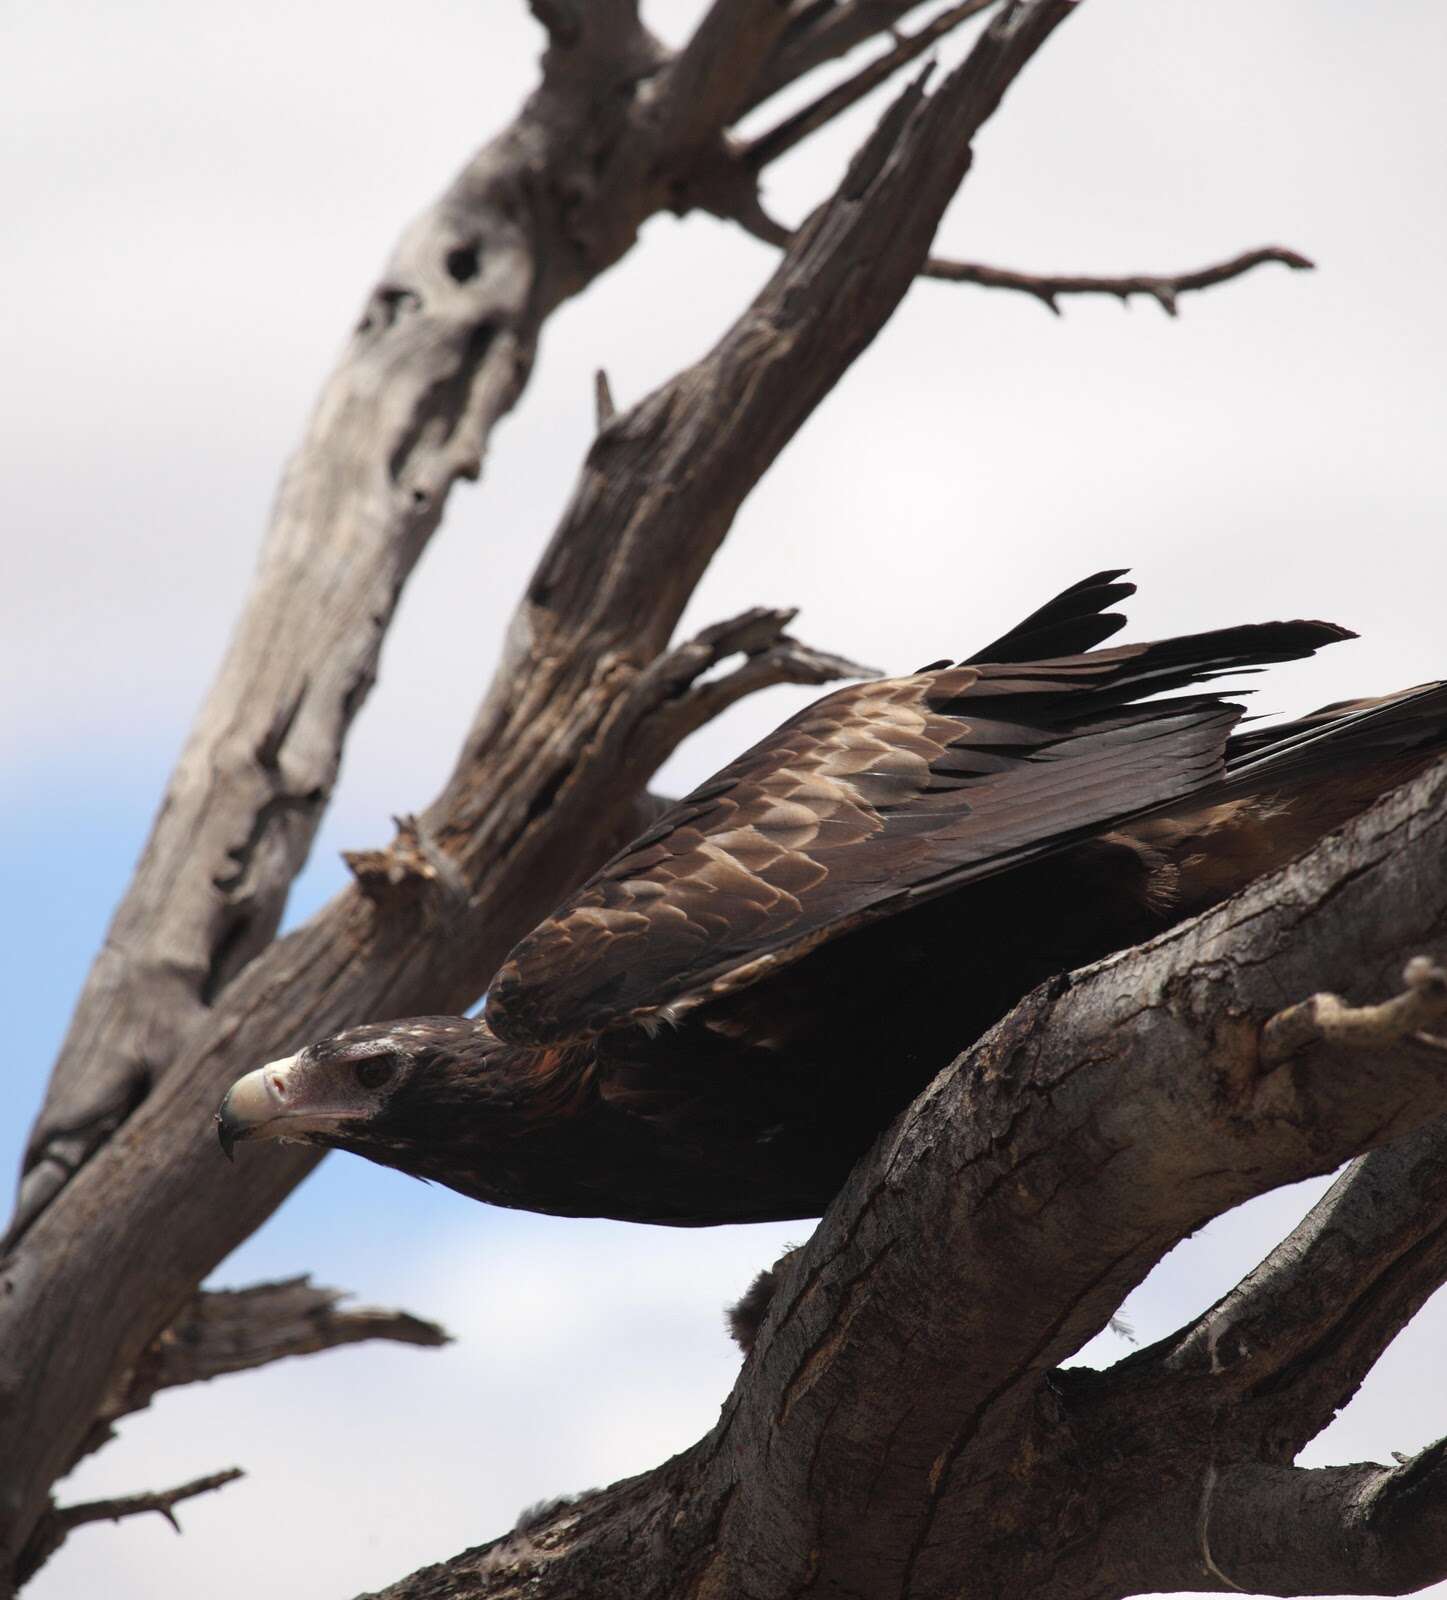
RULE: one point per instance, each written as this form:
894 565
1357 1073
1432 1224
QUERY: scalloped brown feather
875 798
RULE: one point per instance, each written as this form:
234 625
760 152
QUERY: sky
198 200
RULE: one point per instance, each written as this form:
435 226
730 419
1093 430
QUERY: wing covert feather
871 799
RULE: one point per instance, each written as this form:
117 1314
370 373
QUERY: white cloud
585 1352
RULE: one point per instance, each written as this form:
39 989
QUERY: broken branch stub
1327 1019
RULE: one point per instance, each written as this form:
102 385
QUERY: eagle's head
370 1089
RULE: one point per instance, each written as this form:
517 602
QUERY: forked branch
674 696
1289 1346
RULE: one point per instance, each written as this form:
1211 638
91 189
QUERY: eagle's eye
374 1071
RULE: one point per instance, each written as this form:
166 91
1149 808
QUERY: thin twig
1045 287
822 33
1163 290
61 1521
768 147
133 1505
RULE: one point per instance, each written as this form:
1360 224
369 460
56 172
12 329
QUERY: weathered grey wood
549 777
441 350
901 1427
221 1331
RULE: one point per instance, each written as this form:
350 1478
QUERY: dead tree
894 1431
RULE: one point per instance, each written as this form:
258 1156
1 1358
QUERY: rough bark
586 703
904 1427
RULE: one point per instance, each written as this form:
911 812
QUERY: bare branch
707 83
232 1330
1292 1342
760 152
1362 1529
1047 287
61 1521
1328 1019
818 33
787 660
727 198
670 696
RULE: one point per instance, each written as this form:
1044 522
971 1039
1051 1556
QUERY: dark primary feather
875 797
1075 621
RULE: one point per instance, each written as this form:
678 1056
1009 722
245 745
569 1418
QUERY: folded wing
876 797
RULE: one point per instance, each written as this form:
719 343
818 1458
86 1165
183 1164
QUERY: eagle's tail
1411 724
1287 787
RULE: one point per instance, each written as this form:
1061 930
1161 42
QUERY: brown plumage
717 1024
745 1316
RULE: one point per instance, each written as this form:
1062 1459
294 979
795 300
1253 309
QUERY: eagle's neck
623 1126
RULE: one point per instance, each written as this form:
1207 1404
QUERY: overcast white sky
198 199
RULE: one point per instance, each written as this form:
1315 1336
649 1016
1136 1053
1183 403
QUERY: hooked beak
254 1103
